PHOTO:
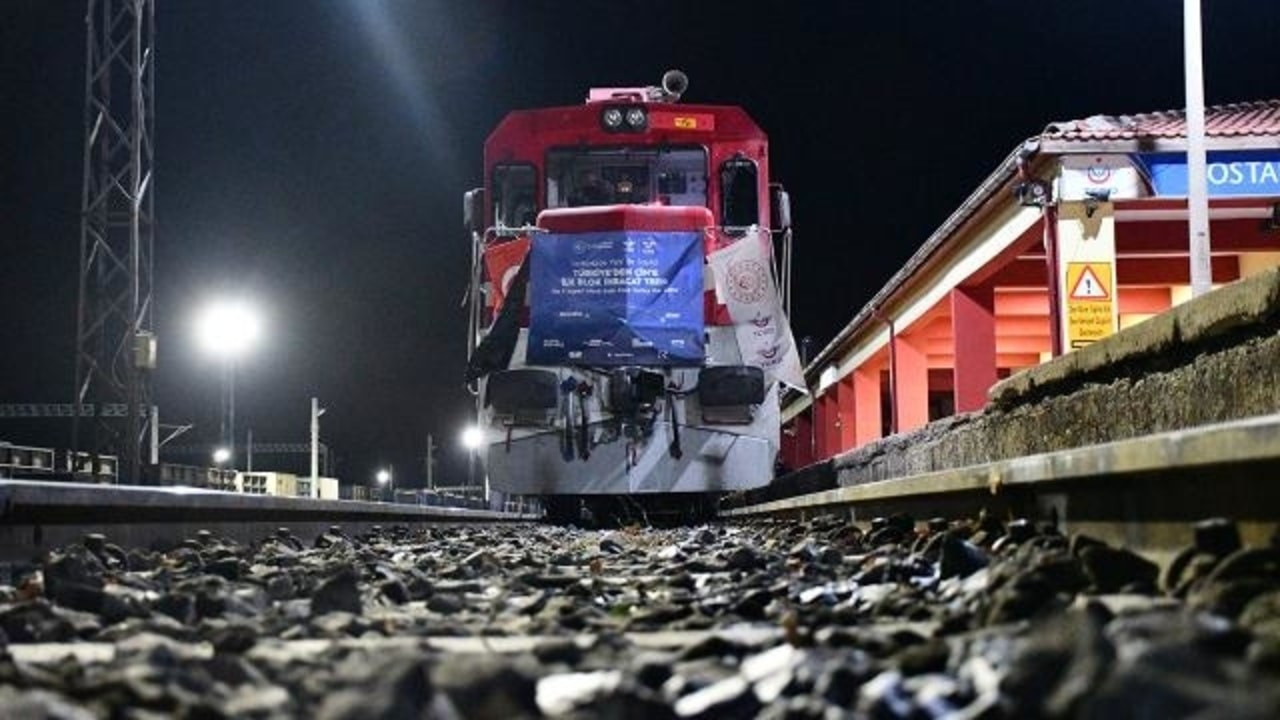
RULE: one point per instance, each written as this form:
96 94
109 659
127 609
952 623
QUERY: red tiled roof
1249 118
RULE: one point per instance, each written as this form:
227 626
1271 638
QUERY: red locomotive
627 315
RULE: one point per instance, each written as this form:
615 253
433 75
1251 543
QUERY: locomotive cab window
514 196
610 176
739 194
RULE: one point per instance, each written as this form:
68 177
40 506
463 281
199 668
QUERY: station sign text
1243 172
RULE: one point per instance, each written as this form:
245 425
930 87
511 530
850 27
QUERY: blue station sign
1232 173
616 298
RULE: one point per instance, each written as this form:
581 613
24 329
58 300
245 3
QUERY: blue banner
628 297
1237 172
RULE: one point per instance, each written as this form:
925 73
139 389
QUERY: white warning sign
1088 286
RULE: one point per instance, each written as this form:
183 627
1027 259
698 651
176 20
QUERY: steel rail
1140 491
37 516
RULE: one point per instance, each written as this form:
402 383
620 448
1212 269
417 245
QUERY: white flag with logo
744 283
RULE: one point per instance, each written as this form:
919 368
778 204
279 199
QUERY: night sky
313 155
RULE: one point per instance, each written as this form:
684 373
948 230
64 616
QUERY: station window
608 176
739 193
514 196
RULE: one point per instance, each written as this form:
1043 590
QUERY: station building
1080 231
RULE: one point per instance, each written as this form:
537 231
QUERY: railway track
1141 493
858 601
774 618
37 516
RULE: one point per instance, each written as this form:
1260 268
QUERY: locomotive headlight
611 118
636 118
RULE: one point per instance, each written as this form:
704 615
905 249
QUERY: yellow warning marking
1090 308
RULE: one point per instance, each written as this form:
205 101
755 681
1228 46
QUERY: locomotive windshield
514 196
606 176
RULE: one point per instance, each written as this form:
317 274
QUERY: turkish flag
502 262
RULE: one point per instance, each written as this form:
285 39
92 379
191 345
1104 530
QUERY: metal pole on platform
1197 177
471 470
431 461
223 409
231 412
155 435
316 412
1049 217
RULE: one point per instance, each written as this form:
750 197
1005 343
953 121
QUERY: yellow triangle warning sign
1089 287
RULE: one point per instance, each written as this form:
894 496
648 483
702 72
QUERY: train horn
674 83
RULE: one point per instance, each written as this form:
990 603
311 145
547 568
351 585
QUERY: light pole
472 437
387 481
1197 159
316 412
227 330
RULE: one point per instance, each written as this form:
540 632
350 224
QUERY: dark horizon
314 158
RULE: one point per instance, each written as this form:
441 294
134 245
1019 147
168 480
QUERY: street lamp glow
221 455
383 476
472 437
228 328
